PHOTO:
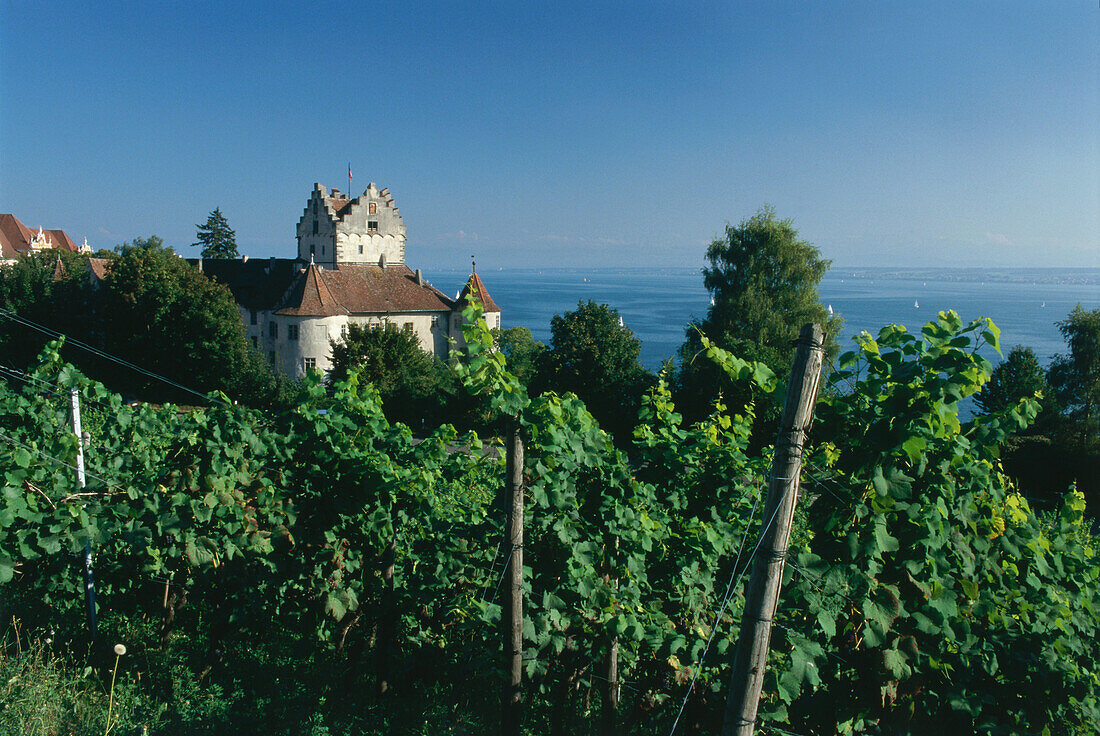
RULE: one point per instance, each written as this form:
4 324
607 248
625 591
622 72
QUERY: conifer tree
216 238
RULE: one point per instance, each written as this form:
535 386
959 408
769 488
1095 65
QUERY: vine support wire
89 578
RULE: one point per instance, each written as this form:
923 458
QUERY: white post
89 580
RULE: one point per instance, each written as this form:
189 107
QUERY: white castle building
350 269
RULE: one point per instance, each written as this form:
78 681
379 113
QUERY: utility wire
17 443
725 602
96 351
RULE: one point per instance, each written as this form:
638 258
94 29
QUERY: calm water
658 304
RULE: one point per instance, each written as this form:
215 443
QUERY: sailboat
830 310
915 304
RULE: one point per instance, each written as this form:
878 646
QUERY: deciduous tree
593 355
763 280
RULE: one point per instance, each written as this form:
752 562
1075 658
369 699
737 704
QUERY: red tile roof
309 296
15 237
361 289
98 267
478 287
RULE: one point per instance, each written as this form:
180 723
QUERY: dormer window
372 226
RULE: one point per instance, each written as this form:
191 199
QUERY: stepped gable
257 283
389 289
478 287
309 296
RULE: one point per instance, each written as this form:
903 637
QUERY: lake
657 304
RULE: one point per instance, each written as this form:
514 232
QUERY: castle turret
336 229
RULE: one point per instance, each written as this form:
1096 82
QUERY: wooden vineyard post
762 598
512 613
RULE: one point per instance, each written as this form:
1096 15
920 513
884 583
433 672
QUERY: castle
350 269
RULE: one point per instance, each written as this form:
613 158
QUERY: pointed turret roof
59 271
475 285
309 296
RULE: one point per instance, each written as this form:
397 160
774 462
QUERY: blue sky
537 134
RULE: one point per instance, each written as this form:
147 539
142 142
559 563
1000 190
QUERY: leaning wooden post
512 614
762 597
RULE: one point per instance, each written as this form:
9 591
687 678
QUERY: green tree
162 314
1020 375
522 351
763 282
37 289
216 238
593 355
1076 377
413 384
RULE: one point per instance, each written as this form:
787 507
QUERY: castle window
255 341
314 227
373 207
322 250
292 332
435 321
344 330
409 327
360 249
372 226
308 363
252 316
271 357
273 330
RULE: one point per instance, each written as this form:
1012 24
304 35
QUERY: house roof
15 237
282 285
98 267
476 285
257 283
391 289
309 296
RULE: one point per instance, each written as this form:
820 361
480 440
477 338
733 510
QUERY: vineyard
328 572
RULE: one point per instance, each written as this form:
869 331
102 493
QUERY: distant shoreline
1077 276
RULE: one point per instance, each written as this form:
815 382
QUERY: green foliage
1076 377
1019 376
522 351
170 319
763 280
594 356
215 237
269 572
413 383
29 289
930 597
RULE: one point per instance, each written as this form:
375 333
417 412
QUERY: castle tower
336 229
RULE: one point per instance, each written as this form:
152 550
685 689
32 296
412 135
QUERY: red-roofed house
16 240
350 269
